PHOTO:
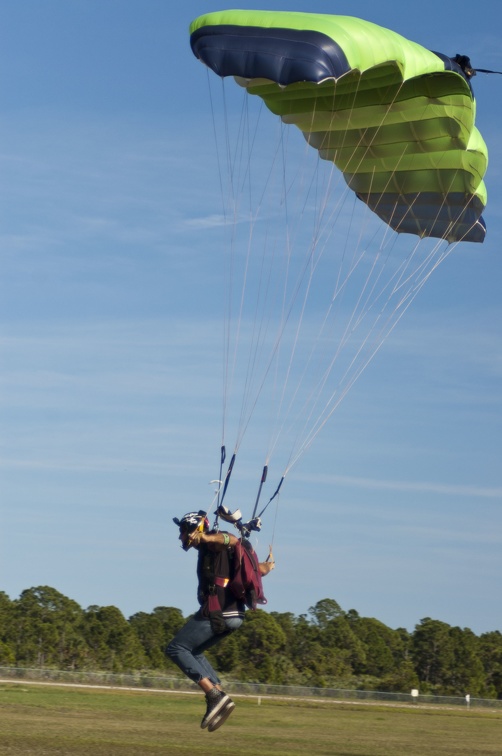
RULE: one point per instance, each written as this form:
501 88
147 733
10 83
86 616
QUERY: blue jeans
187 647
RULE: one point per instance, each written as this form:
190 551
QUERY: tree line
327 647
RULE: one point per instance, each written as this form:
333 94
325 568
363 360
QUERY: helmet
192 521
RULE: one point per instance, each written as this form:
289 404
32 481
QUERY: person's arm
216 541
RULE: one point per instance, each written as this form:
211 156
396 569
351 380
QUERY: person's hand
195 538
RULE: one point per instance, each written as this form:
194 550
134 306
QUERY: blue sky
110 343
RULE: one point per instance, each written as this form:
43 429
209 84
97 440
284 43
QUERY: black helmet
192 521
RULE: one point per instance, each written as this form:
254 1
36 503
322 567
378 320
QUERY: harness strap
213 601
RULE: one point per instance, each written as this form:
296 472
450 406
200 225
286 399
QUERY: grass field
39 720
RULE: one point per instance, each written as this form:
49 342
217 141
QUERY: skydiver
215 557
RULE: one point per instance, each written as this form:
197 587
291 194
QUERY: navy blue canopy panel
285 56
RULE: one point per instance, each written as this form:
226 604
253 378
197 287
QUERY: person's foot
222 717
216 702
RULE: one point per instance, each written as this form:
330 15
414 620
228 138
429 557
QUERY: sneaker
222 717
216 701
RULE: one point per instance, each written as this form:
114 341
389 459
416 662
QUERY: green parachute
394 117
315 277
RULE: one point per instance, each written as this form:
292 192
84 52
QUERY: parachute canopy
394 117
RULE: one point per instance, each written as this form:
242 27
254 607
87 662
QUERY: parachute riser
262 481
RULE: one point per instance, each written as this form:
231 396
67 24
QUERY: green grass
61 721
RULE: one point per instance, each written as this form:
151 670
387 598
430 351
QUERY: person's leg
211 676
219 704
187 651
187 647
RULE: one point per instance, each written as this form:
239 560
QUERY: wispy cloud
210 221
372 484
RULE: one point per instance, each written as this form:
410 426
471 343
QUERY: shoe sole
222 718
216 711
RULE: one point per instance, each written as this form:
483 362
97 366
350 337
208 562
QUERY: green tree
467 674
339 637
447 659
171 618
343 649
315 648
433 653
48 628
402 680
155 630
7 646
113 643
490 653
150 633
324 612
384 651
306 652
288 623
261 641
